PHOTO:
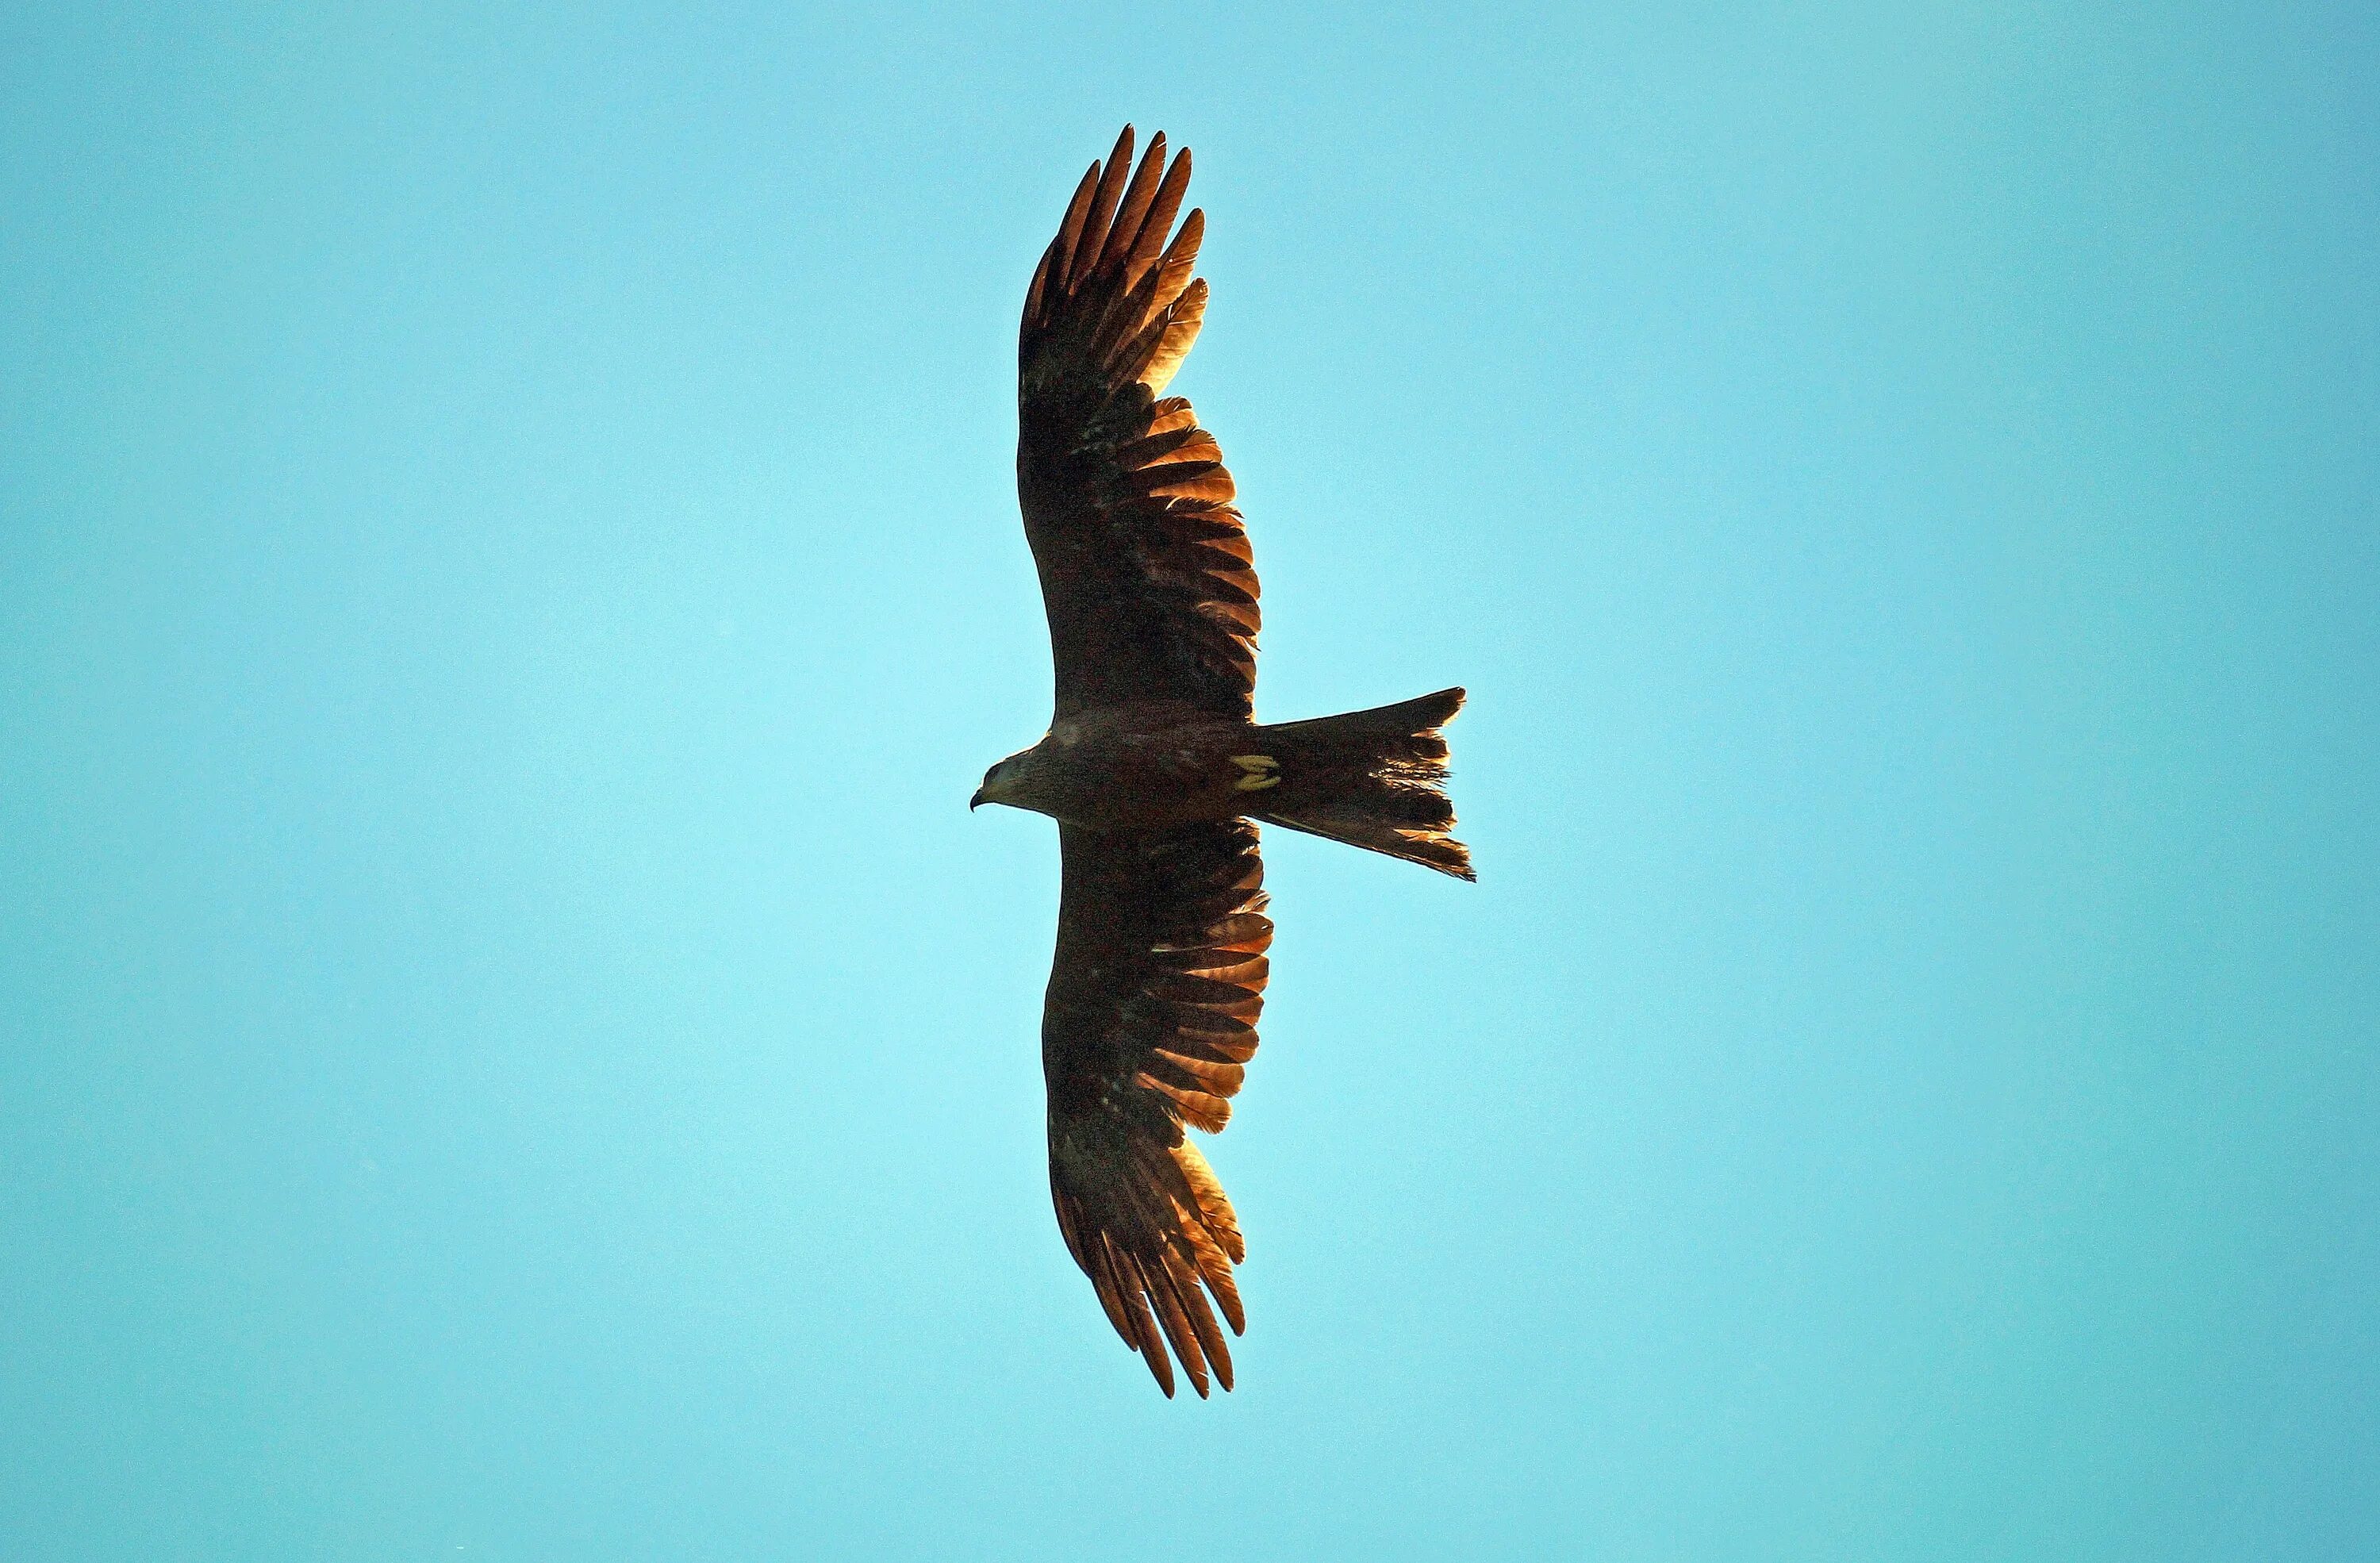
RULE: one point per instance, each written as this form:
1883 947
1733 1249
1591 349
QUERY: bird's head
1002 783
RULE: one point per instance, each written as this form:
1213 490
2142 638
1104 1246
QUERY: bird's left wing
1144 563
1151 1014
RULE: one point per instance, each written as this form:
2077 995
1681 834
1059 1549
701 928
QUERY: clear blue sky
512 1047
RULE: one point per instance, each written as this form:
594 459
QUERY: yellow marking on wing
1261 771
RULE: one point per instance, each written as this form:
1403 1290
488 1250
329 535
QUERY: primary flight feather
1155 768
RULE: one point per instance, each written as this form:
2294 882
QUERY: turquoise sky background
512 1047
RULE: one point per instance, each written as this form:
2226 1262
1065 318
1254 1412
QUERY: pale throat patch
1257 772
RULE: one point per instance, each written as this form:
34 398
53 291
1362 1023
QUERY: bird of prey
1156 770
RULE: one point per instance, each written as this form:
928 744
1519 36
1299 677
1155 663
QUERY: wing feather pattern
1150 1020
1145 566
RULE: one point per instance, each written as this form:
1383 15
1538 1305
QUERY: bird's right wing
1145 566
1153 998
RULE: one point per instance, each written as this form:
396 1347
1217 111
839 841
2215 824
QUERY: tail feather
1372 778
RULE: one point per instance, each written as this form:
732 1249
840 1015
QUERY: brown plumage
1154 766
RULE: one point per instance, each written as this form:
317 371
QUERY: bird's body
1127 768
1156 768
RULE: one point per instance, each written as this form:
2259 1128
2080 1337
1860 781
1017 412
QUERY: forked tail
1373 778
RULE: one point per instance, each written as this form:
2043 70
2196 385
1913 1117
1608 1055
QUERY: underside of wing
1145 564
1151 1016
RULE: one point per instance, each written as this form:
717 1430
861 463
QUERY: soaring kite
1155 768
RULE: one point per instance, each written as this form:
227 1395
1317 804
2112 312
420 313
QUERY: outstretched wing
1145 564
1152 1014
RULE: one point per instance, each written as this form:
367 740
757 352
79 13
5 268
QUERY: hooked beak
976 802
